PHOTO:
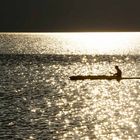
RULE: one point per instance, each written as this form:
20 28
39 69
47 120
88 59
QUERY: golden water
38 101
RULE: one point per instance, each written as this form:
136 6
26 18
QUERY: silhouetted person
118 74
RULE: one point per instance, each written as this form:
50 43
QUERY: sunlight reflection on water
71 43
38 101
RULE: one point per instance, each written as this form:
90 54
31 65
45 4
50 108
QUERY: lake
39 101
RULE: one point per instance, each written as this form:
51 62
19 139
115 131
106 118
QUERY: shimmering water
38 101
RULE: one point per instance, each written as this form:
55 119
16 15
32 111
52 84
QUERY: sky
69 15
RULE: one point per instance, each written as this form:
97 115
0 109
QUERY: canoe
100 77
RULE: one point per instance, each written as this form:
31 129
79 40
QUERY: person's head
116 67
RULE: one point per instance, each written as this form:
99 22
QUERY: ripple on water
38 101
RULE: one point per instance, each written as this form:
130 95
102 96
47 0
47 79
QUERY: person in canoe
118 74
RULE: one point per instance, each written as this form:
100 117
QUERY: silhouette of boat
100 77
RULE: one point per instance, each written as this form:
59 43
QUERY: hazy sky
70 15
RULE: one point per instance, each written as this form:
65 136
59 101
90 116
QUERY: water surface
38 101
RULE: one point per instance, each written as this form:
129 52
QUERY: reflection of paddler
118 74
